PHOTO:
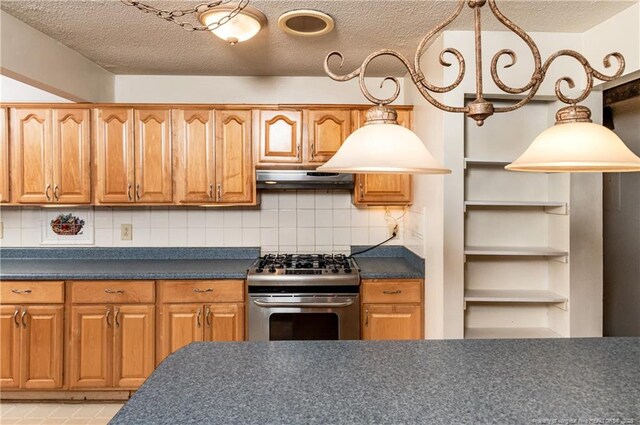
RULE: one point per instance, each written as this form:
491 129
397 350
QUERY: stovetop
304 269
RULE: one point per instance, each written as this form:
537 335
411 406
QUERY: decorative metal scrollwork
479 109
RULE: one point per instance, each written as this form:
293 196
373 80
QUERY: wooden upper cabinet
71 156
134 343
326 131
31 151
154 182
193 144
4 156
384 189
235 175
9 346
42 344
280 136
114 152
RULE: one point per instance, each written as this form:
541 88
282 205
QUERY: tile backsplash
291 221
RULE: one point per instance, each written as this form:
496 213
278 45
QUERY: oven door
294 317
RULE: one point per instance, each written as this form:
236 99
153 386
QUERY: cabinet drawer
193 291
26 292
391 291
112 291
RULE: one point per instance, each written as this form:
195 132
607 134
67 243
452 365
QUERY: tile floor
57 414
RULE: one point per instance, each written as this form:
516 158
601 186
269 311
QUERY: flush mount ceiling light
306 23
232 21
574 144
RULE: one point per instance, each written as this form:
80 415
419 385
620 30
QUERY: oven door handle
268 304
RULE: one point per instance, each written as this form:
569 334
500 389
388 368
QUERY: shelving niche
516 233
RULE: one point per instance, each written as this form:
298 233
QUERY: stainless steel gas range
304 297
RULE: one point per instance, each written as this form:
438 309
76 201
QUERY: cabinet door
114 155
42 342
224 322
153 156
91 346
235 176
391 321
71 156
181 325
280 137
9 346
384 189
4 155
326 131
31 152
134 335
193 145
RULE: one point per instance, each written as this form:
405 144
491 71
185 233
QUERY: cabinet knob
129 192
361 191
22 318
55 193
198 290
21 291
366 317
298 151
313 150
114 291
107 317
138 191
207 317
210 191
396 292
116 318
46 192
219 192
15 317
198 315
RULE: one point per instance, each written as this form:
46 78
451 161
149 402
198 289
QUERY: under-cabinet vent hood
302 179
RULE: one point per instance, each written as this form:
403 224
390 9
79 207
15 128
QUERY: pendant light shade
575 145
241 27
383 146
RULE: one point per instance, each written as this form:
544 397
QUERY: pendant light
383 146
241 27
575 144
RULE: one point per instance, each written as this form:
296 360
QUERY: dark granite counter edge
142 253
125 276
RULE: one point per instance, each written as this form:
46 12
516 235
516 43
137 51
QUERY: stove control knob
272 269
259 270
334 270
347 270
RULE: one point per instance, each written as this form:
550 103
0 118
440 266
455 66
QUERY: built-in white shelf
514 251
513 296
473 162
548 206
509 333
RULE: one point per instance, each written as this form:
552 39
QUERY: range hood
302 179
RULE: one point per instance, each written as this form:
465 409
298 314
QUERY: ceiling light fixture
232 20
574 144
306 23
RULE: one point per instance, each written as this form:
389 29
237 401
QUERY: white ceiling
124 40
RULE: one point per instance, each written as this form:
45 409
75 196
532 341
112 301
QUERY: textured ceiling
124 40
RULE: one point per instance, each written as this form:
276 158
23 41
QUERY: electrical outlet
126 232
1 230
393 228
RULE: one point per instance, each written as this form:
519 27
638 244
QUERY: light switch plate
126 232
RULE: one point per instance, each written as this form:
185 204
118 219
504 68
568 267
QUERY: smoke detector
306 23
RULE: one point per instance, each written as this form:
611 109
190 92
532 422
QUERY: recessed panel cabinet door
154 181
391 321
71 156
9 346
134 335
280 137
4 155
31 172
194 155
42 343
224 322
327 130
91 345
181 325
235 179
114 155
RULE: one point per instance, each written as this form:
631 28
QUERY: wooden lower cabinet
392 309
112 346
224 322
391 321
31 346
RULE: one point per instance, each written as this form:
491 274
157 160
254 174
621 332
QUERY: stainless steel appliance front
303 316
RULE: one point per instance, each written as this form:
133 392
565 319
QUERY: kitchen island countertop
520 382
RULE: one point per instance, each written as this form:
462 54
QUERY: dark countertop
389 262
583 381
125 263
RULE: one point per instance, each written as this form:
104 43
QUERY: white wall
34 58
303 221
15 91
270 90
